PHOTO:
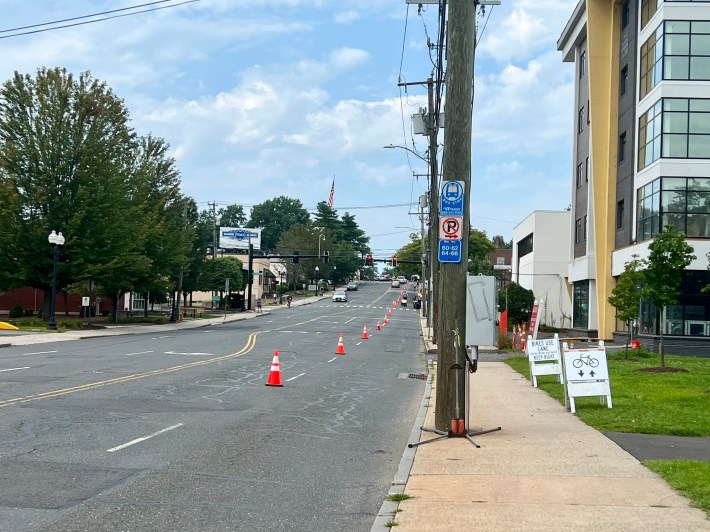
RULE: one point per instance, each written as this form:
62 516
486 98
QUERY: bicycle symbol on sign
585 360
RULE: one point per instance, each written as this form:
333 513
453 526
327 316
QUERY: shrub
16 311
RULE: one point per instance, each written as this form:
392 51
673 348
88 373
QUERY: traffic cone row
274 378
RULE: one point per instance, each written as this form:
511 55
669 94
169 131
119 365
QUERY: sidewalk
545 470
8 338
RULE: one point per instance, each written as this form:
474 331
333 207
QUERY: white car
395 283
402 280
340 296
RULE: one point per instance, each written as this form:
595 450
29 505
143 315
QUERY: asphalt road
178 431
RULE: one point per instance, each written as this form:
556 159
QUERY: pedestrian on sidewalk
258 305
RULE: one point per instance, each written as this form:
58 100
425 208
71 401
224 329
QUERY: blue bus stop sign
451 198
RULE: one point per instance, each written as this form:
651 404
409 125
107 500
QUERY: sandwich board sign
586 374
544 358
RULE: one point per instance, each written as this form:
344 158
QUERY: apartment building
641 157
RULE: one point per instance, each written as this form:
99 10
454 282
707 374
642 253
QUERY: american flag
332 192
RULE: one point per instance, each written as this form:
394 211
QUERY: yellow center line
251 343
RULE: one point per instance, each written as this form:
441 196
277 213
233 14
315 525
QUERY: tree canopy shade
275 216
232 216
412 251
479 248
70 162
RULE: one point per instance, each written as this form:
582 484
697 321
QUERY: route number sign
450 251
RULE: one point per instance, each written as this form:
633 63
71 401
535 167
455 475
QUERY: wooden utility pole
451 362
433 129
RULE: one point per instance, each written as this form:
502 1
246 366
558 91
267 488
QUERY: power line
90 16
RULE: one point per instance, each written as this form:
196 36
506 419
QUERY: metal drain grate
420 376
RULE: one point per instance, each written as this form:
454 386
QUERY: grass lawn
690 477
676 404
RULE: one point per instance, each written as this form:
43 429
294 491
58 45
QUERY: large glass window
679 50
648 9
689 317
525 246
683 203
580 305
676 128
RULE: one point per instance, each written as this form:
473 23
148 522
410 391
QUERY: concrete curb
388 508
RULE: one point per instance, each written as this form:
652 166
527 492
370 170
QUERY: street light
317 270
335 268
423 158
320 238
56 240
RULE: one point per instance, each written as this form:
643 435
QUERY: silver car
340 296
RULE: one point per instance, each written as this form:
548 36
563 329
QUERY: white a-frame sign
544 358
586 374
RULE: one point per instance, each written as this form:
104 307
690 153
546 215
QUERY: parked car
352 286
340 296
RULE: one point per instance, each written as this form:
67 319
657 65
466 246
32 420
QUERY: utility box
481 310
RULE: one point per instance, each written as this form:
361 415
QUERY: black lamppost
56 240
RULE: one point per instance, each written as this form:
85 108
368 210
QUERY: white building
540 260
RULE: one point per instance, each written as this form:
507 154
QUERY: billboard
239 238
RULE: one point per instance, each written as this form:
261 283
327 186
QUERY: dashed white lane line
294 378
14 369
138 353
138 440
351 319
334 358
358 343
38 353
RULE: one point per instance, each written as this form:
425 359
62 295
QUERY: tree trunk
114 307
66 302
661 347
628 340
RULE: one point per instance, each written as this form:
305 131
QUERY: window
584 228
525 246
622 147
619 214
588 171
500 260
624 14
623 81
650 136
580 120
678 50
582 64
580 305
689 316
683 203
648 9
579 175
578 231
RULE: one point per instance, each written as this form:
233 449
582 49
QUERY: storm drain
420 376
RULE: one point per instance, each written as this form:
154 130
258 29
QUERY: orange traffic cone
364 333
385 321
275 374
394 304
340 350
378 328
389 311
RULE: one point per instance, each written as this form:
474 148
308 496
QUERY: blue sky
262 98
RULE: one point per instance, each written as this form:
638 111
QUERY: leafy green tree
520 303
326 217
275 217
65 163
227 268
669 255
479 248
625 297
305 238
232 216
411 251
354 234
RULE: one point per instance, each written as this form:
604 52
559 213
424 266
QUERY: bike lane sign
586 374
544 358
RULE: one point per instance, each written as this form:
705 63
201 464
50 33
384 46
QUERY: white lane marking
292 332
161 337
195 354
351 319
358 343
138 440
293 378
14 369
334 358
38 353
138 353
207 331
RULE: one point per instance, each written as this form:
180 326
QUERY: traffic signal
326 257
296 258
368 260
394 262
